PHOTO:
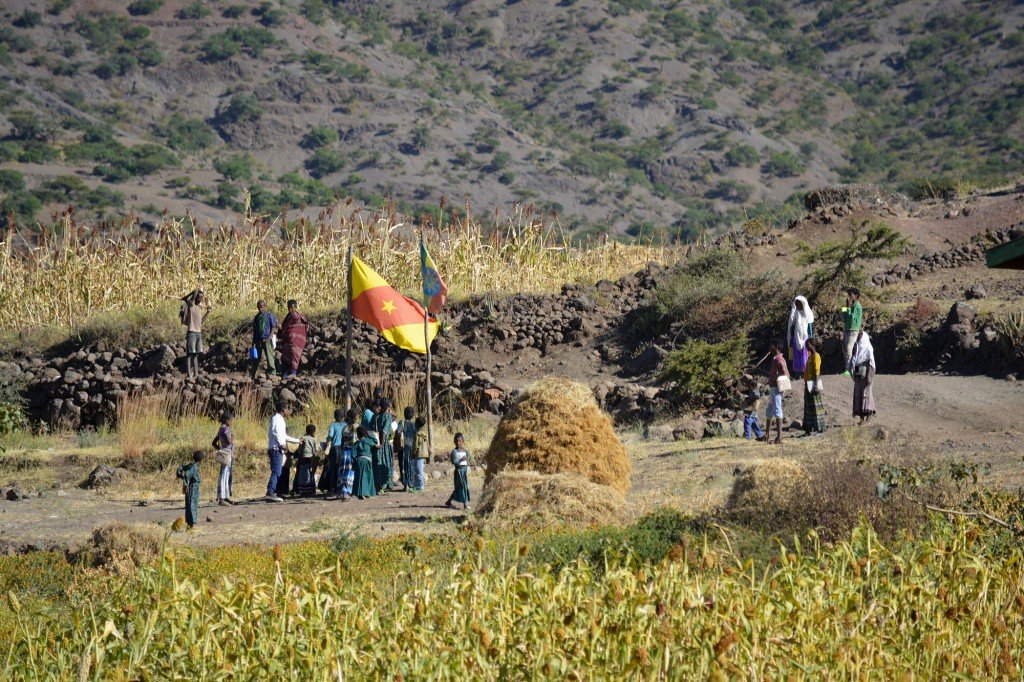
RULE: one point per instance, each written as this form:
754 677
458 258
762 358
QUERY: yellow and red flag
399 319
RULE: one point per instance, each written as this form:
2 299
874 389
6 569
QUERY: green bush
698 369
595 164
237 167
240 108
12 418
324 162
11 180
140 8
29 126
22 205
319 136
715 296
742 155
233 11
187 134
28 19
194 10
783 165
253 39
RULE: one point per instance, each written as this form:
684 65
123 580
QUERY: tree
842 263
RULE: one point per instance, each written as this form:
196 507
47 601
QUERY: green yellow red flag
399 319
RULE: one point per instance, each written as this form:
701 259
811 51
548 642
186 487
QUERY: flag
435 291
399 319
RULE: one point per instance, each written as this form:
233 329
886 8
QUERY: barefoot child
306 458
224 444
460 458
189 475
420 455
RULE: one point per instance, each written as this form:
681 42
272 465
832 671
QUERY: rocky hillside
638 117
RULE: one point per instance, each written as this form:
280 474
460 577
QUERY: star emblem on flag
388 307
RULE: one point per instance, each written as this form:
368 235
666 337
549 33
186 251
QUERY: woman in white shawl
862 367
800 328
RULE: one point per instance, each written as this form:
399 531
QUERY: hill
636 117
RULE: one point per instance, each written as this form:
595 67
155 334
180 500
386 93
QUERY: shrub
319 136
28 125
233 11
140 8
22 205
698 369
28 19
731 190
240 108
253 39
715 296
827 496
11 180
12 418
595 164
194 10
324 162
783 165
187 134
237 167
742 155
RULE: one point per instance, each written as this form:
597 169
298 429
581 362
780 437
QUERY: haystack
556 427
517 498
766 486
122 548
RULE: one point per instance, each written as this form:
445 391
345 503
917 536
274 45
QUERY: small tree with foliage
841 264
699 368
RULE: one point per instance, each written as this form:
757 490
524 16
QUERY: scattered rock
103 475
15 494
975 292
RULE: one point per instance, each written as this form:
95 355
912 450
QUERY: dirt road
945 416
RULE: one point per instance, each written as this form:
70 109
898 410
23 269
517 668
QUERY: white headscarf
799 320
863 351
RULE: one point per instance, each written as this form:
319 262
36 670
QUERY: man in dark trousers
193 314
264 324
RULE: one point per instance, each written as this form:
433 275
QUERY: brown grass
517 498
121 548
766 485
556 427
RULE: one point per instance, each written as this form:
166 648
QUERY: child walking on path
189 475
460 458
777 370
224 444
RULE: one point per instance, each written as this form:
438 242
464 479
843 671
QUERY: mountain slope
630 116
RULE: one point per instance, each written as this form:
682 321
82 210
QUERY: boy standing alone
263 326
189 475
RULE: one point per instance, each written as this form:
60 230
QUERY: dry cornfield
74 272
948 605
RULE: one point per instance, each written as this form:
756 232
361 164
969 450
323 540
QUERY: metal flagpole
348 337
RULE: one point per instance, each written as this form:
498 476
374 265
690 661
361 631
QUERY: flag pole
348 335
430 393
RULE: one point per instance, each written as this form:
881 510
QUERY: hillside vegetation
639 117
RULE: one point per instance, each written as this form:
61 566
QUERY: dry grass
766 484
516 498
76 272
121 549
556 427
144 420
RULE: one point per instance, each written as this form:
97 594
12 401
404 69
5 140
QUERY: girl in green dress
363 452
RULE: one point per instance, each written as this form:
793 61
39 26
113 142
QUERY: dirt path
946 416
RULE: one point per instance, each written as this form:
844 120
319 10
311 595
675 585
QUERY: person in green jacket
363 486
189 475
384 469
853 315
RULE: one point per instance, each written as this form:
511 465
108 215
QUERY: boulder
962 313
689 429
103 475
975 292
867 195
159 361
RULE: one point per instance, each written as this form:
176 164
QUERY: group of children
360 453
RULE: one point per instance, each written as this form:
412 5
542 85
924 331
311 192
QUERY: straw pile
556 427
766 487
518 498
